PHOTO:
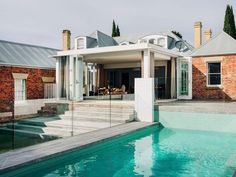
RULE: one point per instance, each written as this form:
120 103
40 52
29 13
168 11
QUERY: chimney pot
66 39
197 34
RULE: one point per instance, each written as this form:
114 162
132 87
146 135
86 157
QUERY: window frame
23 92
79 40
159 40
207 73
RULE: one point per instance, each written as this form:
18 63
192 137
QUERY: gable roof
221 44
18 54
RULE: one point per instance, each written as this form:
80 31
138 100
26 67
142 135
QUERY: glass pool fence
28 118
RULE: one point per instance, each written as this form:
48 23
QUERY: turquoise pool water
155 151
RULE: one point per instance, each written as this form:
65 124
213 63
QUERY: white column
71 77
173 78
144 99
148 64
86 79
94 77
79 66
58 78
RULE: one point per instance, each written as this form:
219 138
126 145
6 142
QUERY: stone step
39 121
98 114
30 128
46 113
67 124
66 129
33 123
102 111
26 133
101 107
102 118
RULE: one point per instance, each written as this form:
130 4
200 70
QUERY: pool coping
18 158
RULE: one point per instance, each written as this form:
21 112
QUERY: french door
184 80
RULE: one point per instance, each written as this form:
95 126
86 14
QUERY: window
161 42
143 41
151 41
81 43
19 89
184 80
214 74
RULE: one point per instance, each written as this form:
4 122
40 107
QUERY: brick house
214 68
24 71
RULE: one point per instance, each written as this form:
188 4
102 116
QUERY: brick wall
227 90
34 84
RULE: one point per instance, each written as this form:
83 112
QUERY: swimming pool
154 151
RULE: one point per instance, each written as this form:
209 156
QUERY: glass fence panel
33 121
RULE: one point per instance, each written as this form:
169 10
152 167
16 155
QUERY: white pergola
144 53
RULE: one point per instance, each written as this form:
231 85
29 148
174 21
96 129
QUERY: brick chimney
197 34
208 34
66 39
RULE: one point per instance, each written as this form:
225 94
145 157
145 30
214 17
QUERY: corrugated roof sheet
18 54
219 45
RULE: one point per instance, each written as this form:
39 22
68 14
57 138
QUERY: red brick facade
34 84
227 90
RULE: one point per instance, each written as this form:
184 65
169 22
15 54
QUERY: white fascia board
121 48
103 50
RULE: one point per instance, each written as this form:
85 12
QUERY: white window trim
214 86
124 43
77 44
25 96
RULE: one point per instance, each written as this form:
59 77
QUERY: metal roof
219 45
133 38
100 39
18 54
103 39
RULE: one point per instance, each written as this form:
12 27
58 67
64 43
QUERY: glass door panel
184 78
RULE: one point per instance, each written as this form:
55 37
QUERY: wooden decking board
18 158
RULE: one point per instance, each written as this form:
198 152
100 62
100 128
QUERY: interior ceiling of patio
120 57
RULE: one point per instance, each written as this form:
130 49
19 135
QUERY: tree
229 23
117 31
177 34
114 32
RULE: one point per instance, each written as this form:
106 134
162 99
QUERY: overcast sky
41 22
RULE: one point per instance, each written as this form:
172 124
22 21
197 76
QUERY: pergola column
173 78
86 79
71 77
147 64
144 89
78 78
94 78
58 78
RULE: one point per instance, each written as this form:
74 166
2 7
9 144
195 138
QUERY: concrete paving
18 158
196 106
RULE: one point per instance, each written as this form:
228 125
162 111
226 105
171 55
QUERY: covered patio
84 72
